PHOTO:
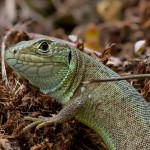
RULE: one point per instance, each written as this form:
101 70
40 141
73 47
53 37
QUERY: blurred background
97 22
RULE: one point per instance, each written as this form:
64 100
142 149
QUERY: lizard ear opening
69 57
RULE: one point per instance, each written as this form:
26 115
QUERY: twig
3 47
139 76
86 50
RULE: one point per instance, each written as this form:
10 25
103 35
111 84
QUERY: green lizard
115 110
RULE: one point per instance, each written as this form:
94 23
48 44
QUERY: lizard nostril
15 51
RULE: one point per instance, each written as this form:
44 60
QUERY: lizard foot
39 122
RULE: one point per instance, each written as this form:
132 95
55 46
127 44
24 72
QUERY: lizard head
41 61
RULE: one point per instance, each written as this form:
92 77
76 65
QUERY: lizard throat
65 89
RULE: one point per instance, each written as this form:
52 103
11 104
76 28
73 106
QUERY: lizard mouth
27 64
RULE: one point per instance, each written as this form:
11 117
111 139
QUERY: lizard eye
44 47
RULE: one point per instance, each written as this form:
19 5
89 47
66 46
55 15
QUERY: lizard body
115 110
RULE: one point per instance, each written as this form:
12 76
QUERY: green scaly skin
115 110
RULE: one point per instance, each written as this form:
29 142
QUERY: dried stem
17 27
139 76
86 50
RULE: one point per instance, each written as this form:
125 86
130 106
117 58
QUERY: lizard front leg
67 113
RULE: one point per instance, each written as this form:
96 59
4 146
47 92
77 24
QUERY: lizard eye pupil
44 46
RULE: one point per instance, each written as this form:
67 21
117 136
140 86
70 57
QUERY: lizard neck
65 89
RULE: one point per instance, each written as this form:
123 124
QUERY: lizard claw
46 121
39 122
